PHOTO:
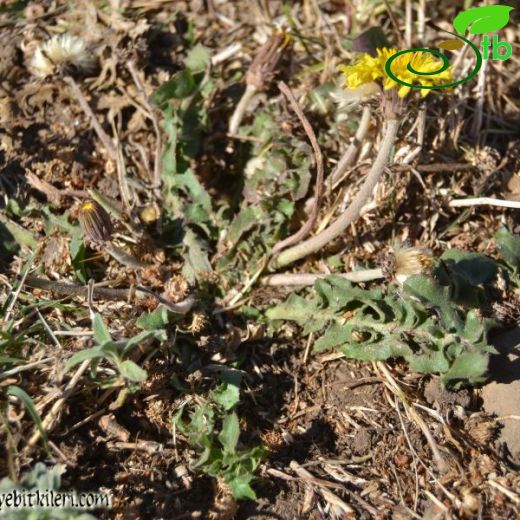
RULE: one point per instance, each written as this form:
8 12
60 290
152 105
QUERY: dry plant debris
245 273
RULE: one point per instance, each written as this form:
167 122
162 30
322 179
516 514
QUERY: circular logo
445 64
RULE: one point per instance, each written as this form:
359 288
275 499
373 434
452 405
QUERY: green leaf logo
483 19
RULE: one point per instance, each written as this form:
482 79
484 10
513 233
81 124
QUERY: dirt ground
139 124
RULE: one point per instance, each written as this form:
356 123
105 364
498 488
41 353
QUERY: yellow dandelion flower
367 68
419 61
364 70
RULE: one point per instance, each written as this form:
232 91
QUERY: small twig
67 289
16 294
436 501
394 23
320 240
311 479
318 189
322 487
48 329
507 492
90 300
421 21
226 53
340 474
396 390
485 201
308 347
409 23
124 190
157 168
53 194
290 279
103 136
248 285
421 126
362 382
122 257
452 497
410 445
506 417
148 446
84 421
479 103
436 167
280 474
49 423
16 370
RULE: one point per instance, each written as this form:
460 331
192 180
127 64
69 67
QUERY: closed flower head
61 52
95 221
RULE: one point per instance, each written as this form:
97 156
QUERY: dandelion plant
395 102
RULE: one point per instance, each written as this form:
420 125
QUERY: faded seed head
406 262
61 51
263 66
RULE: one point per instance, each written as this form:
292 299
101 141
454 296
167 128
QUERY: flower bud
95 221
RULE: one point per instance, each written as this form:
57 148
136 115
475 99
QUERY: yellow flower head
367 68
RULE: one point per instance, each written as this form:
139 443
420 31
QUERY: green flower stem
320 240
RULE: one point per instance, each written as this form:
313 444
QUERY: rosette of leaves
434 325
220 454
276 177
183 101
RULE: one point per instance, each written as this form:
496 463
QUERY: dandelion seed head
63 50
406 261
411 261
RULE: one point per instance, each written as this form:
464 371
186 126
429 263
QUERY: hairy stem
364 275
123 257
306 229
348 157
320 240
241 108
